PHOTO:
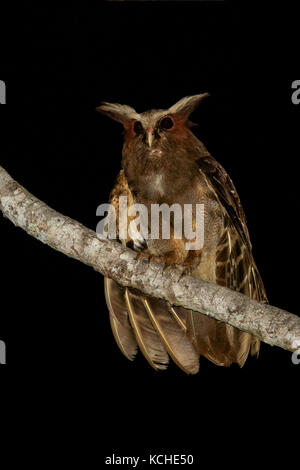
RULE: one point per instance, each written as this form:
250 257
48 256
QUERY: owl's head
157 144
154 129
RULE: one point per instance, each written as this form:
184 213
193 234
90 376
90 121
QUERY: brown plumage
164 162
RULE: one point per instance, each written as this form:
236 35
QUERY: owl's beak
150 138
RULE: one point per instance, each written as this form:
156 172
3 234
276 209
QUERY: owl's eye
166 123
138 128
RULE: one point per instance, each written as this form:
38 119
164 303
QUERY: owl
163 162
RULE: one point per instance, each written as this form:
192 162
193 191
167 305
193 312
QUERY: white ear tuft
119 112
187 105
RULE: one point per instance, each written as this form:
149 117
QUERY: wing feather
118 316
235 265
173 336
146 336
238 248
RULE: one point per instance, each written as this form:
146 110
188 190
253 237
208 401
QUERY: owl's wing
223 187
235 266
235 269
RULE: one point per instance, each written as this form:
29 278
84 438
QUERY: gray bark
271 324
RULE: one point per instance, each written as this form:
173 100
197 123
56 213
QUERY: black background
62 361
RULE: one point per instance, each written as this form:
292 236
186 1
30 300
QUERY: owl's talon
184 270
167 268
156 259
143 255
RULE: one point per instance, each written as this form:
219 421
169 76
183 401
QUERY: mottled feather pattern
186 172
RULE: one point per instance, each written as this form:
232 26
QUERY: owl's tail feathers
173 335
150 324
146 336
161 330
220 343
118 316
255 346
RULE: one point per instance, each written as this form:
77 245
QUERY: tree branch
271 324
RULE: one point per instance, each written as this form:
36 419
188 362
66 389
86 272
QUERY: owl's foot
184 270
150 258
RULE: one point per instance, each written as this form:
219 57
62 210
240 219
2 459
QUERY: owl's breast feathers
161 330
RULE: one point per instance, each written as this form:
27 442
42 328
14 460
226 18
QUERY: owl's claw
143 255
139 245
184 270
